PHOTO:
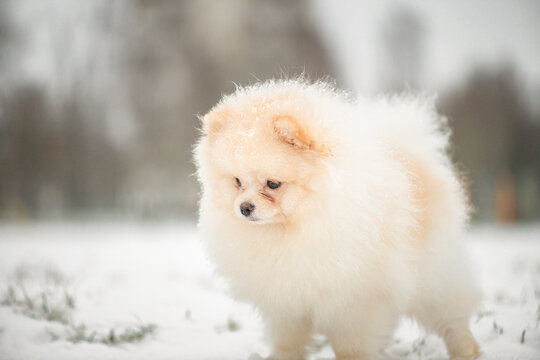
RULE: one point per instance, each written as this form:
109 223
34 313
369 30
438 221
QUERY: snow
124 274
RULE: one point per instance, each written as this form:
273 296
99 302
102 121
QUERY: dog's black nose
246 208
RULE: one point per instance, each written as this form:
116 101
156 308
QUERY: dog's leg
455 333
363 331
460 342
445 304
289 336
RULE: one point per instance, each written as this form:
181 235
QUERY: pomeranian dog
336 216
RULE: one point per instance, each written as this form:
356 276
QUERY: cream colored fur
365 228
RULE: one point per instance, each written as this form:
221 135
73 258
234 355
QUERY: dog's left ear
289 130
214 121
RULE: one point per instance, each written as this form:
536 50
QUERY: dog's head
262 155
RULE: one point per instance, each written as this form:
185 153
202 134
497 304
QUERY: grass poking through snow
132 334
44 295
41 296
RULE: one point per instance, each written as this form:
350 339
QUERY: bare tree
497 143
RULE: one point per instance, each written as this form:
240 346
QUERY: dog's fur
365 228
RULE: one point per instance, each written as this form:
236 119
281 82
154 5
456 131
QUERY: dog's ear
290 131
214 121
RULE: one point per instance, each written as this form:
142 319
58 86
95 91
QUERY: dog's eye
238 182
273 184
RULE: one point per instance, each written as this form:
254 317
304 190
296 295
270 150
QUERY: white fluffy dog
337 216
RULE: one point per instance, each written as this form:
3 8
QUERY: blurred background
99 99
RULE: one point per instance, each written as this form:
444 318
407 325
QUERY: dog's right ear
214 121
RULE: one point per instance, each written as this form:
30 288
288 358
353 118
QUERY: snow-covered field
146 291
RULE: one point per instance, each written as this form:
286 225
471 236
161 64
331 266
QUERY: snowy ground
132 291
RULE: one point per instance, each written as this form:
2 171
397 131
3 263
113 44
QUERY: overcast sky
459 34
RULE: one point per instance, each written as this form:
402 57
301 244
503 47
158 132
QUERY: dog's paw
287 356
